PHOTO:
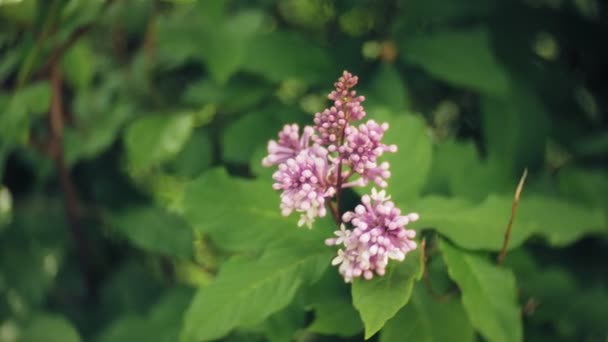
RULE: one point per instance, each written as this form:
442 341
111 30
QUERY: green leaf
47 327
380 298
195 157
332 303
161 323
482 226
224 47
457 170
154 139
243 214
78 64
489 294
588 186
426 319
515 129
155 230
95 134
281 55
245 292
463 58
411 163
244 135
283 325
387 88
20 110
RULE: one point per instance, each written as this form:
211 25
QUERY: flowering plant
334 154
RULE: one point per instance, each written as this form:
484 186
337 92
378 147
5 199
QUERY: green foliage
464 58
246 292
489 294
429 320
134 206
379 299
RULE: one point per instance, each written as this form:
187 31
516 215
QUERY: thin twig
72 203
505 244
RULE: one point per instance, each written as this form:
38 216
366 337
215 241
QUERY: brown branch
334 212
58 53
78 33
72 203
505 244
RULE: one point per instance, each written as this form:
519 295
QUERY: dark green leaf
379 299
387 88
155 230
47 327
278 56
463 58
489 294
426 319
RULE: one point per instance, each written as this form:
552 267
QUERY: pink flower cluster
334 154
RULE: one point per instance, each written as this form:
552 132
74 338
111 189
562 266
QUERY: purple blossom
331 122
289 144
362 148
305 184
379 235
314 167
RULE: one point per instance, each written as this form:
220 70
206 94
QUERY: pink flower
379 235
289 144
363 147
305 184
331 122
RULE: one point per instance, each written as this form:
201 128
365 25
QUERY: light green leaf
224 47
19 111
379 299
411 163
47 327
243 214
281 55
387 88
489 294
78 64
154 139
463 58
155 230
425 319
249 132
245 293
482 226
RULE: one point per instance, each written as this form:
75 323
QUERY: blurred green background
108 108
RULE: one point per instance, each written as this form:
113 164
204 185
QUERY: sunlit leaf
482 226
245 293
154 139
